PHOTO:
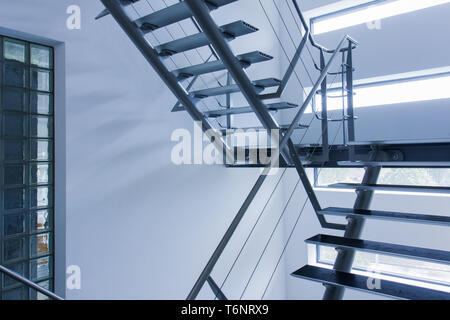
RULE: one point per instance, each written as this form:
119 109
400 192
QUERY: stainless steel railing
28 283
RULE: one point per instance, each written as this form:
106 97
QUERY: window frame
340 12
355 7
429 74
27 186
360 270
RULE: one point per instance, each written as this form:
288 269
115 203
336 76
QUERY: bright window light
411 271
402 91
371 13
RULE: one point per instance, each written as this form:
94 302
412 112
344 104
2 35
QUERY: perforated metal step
358 282
387 215
260 85
173 14
246 60
230 31
242 110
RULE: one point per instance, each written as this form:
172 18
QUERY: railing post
228 105
344 93
349 89
350 102
325 142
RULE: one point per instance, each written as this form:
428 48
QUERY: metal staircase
371 155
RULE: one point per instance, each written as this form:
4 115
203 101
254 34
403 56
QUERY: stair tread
267 83
387 187
259 85
172 14
282 127
230 31
359 282
246 59
387 215
424 254
105 12
242 110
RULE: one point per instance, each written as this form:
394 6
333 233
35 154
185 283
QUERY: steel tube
29 283
310 190
225 239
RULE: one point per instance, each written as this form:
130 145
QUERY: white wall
137 225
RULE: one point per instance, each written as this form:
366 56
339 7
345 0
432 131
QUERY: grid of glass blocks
27 166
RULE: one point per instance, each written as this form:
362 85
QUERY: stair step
359 282
242 110
387 215
429 255
267 83
246 60
260 85
173 14
387 187
229 131
105 12
230 31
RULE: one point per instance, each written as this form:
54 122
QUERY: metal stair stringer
353 230
136 35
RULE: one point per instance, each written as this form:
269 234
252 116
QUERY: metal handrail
311 94
29 283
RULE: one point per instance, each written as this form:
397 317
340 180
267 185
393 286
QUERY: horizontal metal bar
283 127
28 283
259 85
423 254
359 282
242 110
387 215
388 187
400 142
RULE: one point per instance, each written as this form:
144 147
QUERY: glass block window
27 166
